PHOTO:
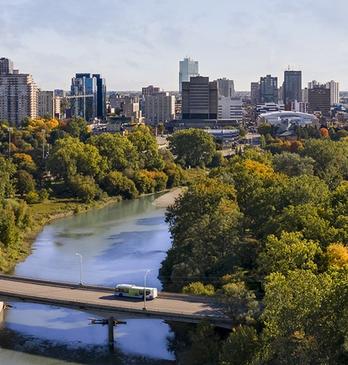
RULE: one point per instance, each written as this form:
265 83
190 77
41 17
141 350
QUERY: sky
135 43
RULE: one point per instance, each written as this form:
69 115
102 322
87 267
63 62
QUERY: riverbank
168 199
45 213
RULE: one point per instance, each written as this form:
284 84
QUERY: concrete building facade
199 98
159 108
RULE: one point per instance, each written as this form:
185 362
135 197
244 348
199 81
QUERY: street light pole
9 142
145 276
78 254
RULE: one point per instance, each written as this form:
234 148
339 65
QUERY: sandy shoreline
169 198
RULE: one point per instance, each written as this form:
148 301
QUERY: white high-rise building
334 91
18 95
159 108
187 68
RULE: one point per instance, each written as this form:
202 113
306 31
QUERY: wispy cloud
134 42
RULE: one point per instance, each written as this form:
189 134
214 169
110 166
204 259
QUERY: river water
117 243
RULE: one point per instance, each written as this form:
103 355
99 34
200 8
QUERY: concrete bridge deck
177 307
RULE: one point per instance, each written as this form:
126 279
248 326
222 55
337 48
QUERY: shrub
83 187
24 182
198 288
32 197
115 183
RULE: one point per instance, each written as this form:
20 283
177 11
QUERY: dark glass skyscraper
101 97
292 87
90 92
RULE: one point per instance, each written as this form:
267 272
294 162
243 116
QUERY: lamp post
78 254
145 277
9 141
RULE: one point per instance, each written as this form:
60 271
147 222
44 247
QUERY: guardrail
61 284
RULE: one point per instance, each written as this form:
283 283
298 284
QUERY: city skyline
238 43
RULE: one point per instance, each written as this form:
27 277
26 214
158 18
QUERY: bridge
101 301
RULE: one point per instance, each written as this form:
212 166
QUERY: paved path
176 307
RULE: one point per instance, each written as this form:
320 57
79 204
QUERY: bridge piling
111 324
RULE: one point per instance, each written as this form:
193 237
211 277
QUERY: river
117 243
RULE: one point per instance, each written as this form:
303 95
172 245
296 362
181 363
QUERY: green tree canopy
193 147
118 151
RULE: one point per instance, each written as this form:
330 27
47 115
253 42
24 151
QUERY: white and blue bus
133 291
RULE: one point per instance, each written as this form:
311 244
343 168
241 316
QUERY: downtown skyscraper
187 68
292 87
88 96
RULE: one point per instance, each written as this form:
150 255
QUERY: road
177 307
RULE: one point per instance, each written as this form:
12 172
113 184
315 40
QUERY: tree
71 156
289 252
117 184
24 182
25 162
146 145
239 302
198 288
331 159
192 147
77 128
83 187
7 170
204 223
293 164
240 347
118 151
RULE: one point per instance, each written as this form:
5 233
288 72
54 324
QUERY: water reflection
118 243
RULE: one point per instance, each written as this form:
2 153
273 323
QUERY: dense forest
49 160
267 234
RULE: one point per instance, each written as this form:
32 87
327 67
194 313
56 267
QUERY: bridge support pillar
111 323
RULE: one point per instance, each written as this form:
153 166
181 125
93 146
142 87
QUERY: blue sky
133 43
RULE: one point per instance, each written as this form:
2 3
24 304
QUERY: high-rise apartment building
159 108
334 92
319 100
199 98
88 96
18 94
292 87
255 93
268 89
187 68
